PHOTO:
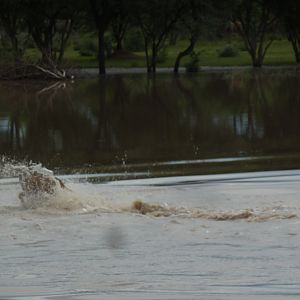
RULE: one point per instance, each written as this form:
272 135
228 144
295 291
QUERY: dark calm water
164 125
219 237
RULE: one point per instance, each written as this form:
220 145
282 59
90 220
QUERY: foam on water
77 198
170 244
80 201
157 210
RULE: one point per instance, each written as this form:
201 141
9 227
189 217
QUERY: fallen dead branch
31 71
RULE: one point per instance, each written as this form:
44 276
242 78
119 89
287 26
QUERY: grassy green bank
280 53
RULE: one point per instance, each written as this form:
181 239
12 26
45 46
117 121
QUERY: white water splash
13 168
81 198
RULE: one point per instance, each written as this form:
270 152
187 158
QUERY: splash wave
79 202
60 200
157 210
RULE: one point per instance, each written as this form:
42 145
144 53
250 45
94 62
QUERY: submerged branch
31 71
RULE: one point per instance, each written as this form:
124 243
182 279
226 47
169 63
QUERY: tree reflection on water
128 119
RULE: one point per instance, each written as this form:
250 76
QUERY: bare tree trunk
46 57
295 41
154 57
65 35
119 46
257 61
184 53
149 67
102 21
101 52
17 52
254 35
119 31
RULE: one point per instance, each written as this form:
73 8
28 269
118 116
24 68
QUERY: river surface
125 140
91 244
134 123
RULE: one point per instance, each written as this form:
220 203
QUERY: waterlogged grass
280 53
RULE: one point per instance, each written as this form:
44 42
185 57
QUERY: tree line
51 23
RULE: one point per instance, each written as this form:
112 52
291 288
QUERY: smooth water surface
136 123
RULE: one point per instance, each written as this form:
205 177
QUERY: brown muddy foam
71 202
63 199
157 210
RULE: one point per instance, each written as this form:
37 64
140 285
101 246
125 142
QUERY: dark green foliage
104 26
256 22
157 19
134 41
5 54
291 23
13 25
30 42
50 24
87 47
108 44
228 51
241 46
162 56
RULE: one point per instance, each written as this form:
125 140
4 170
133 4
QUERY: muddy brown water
175 235
162 125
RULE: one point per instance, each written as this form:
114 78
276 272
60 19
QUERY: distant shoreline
93 72
86 73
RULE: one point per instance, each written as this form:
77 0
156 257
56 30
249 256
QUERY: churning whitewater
41 191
